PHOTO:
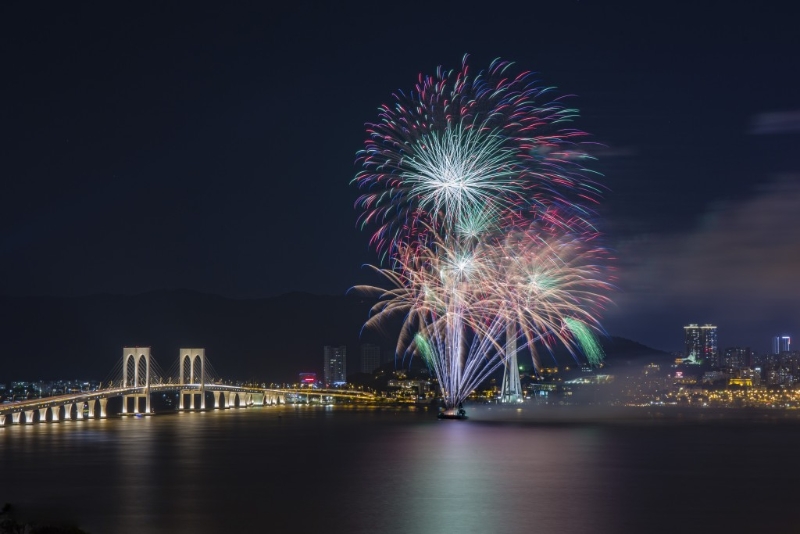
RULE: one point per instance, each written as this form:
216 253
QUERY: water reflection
452 476
136 464
303 469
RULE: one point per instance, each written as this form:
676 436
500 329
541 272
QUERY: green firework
586 340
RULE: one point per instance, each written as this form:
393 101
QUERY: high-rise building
335 364
370 357
781 344
701 343
737 358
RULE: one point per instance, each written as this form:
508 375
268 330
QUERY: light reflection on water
394 470
473 477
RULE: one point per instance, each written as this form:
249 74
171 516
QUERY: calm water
283 469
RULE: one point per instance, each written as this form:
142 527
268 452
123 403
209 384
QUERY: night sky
162 145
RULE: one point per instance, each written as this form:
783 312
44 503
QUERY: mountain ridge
268 339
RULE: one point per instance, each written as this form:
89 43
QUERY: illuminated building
742 382
370 357
307 379
781 344
335 364
700 344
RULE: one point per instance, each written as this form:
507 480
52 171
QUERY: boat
453 413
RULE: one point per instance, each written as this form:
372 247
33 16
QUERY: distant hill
271 339
267 339
619 349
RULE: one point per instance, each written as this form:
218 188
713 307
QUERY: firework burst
482 209
461 146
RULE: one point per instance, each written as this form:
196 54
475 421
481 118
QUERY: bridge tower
136 374
512 388
191 366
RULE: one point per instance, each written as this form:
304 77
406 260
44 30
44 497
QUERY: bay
359 470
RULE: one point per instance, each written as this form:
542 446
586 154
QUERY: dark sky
156 145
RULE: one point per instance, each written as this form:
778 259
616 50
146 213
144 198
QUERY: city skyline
62 337
212 159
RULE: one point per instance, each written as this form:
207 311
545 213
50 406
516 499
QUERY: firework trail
457 305
482 209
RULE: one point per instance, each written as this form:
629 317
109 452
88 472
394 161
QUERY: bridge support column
29 416
182 405
54 410
79 410
42 415
103 403
136 376
68 411
227 399
216 399
15 417
91 408
2 420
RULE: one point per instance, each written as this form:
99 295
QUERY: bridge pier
79 410
136 402
29 416
67 411
2 420
92 403
190 393
42 415
216 399
192 405
15 417
227 399
55 415
103 404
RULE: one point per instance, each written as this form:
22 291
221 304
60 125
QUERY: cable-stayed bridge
137 376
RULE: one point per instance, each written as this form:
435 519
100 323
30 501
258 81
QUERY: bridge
140 378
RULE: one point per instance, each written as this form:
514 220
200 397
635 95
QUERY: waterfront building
307 380
778 376
335 365
700 344
410 389
370 357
